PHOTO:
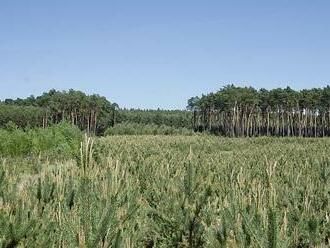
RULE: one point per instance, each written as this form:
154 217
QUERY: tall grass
164 191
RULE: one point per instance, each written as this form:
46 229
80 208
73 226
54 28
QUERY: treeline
22 116
151 122
244 111
133 128
92 113
231 111
170 118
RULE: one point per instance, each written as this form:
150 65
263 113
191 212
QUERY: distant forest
232 111
244 111
92 113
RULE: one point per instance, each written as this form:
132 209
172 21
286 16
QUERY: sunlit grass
165 191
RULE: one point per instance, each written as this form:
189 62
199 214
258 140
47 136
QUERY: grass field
170 191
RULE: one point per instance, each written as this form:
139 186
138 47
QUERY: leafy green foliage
244 111
170 118
21 116
62 140
92 113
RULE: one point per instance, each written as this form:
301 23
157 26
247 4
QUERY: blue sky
151 54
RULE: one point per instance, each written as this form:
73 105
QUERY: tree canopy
231 111
245 111
92 113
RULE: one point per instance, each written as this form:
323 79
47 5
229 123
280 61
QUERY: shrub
60 140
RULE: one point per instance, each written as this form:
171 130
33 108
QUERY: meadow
164 191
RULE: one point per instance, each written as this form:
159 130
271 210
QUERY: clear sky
155 53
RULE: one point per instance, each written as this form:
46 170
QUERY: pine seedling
272 228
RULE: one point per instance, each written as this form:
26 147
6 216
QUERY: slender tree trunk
267 123
315 124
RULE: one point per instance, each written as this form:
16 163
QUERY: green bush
62 140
